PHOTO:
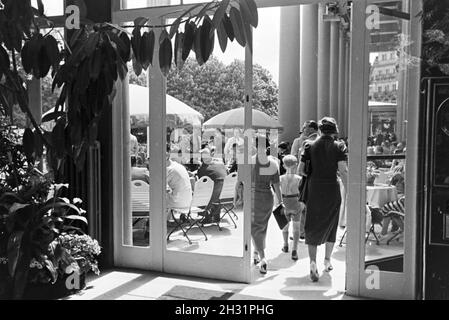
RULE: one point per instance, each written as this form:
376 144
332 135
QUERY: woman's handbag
303 190
280 217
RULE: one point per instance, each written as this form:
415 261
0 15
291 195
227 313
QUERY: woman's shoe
314 272
327 265
294 255
263 266
285 248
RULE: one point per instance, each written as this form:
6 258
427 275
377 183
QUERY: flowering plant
83 249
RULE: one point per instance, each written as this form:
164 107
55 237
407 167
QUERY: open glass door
205 233
385 106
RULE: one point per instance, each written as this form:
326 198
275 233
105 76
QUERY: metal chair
187 218
376 218
140 200
226 199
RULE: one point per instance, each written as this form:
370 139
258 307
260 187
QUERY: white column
323 64
289 114
341 84
334 68
347 84
308 63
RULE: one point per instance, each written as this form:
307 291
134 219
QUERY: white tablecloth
378 196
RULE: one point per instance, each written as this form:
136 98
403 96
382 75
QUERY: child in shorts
290 182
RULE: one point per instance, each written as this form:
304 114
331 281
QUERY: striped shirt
398 205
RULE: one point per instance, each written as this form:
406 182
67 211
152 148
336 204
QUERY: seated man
215 170
138 173
395 206
179 195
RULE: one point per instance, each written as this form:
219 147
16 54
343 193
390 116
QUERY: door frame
392 285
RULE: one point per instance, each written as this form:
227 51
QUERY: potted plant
42 240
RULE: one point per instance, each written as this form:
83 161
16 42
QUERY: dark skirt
263 208
323 208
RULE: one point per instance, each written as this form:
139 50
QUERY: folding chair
186 218
376 218
140 203
226 199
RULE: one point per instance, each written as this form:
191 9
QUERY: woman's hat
328 125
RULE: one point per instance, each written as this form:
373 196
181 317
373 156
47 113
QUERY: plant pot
48 291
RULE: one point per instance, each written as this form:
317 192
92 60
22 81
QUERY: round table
378 196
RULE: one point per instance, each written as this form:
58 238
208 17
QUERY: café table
378 196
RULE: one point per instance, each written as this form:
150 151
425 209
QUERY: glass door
385 79
161 219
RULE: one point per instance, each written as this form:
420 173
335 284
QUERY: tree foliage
435 51
215 87
96 56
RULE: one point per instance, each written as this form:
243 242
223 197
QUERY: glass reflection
387 141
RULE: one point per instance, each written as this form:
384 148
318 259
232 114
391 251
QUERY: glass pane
134 4
386 147
139 174
51 7
202 161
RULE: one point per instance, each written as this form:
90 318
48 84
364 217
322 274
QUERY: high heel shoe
327 265
263 266
314 272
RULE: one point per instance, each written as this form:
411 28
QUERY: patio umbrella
234 119
177 111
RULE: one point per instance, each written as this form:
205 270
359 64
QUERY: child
290 194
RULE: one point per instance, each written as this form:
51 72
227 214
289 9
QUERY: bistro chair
376 219
187 218
140 200
226 199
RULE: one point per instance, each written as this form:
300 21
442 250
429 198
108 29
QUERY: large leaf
189 39
165 53
126 46
52 116
228 27
222 36
207 39
78 218
28 143
135 43
51 45
140 21
249 12
52 269
92 43
179 46
14 245
197 47
38 145
4 61
219 14
146 49
237 26
58 138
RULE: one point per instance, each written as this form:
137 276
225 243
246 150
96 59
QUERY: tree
435 38
215 87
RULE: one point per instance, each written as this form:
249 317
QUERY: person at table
327 157
265 173
232 163
133 145
236 138
139 173
179 194
215 170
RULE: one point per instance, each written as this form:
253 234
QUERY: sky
265 42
